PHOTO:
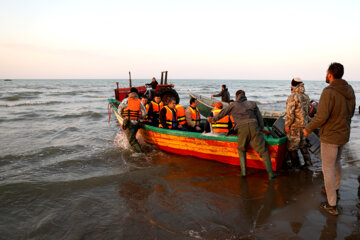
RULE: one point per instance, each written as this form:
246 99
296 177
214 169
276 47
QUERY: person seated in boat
180 116
248 123
154 109
134 90
150 92
144 102
224 94
168 118
220 127
132 110
192 116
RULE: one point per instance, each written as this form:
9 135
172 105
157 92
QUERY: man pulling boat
248 123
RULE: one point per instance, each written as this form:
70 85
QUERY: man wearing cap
248 124
297 116
336 108
224 94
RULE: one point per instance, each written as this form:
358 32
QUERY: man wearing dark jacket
150 92
225 95
334 113
248 123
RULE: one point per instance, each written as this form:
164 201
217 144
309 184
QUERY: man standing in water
224 94
297 116
334 113
248 124
132 110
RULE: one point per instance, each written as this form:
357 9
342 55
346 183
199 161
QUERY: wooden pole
129 79
165 77
117 91
162 73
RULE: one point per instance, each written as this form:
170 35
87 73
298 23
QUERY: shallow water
66 173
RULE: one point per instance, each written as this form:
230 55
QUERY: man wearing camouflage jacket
297 116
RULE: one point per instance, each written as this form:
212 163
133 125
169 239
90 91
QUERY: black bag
314 143
279 126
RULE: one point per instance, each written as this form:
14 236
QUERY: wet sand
197 199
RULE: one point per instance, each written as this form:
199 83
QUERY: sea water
67 173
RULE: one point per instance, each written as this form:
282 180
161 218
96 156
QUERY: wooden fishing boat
204 106
207 146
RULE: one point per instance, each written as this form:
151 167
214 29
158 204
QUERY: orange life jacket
180 114
222 125
157 106
132 111
195 115
169 117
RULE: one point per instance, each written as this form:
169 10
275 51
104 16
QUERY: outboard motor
313 109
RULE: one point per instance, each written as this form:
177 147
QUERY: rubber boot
136 147
242 157
268 165
287 163
306 155
294 156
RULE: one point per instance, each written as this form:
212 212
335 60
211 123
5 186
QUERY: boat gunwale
202 99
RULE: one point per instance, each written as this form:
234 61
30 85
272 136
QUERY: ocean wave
29 116
71 129
121 140
42 153
72 93
270 102
94 96
30 103
51 186
11 98
90 114
21 95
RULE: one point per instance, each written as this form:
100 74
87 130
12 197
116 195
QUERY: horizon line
224 79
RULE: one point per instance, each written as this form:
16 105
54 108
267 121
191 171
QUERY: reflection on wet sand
187 197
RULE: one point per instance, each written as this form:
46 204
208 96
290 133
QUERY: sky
191 39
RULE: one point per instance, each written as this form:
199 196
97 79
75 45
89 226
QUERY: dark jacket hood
241 97
341 86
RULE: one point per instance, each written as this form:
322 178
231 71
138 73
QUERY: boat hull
217 148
